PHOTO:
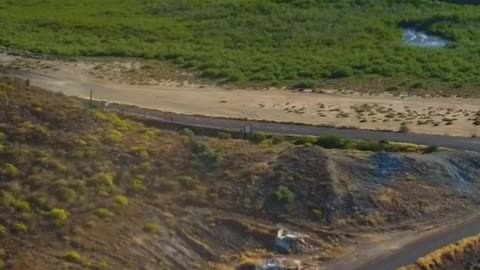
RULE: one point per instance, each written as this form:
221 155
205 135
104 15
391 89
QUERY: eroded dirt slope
81 188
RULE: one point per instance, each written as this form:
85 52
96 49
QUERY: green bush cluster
59 216
206 155
72 256
121 200
152 228
104 213
20 228
284 195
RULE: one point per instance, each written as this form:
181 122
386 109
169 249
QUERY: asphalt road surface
459 143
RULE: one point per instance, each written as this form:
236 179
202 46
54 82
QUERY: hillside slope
83 188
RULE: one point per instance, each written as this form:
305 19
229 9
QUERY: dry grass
439 257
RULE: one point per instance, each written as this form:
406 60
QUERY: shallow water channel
422 39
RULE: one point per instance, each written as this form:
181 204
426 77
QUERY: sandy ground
131 82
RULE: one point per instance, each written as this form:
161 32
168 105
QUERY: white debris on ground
292 243
283 264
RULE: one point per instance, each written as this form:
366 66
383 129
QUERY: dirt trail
445 116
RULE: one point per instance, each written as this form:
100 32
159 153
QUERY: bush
334 142
103 213
59 216
138 185
306 140
140 151
72 256
258 137
66 195
430 149
224 135
341 72
121 200
152 228
105 179
187 132
404 128
188 182
308 84
205 155
373 146
10 170
23 206
114 136
417 85
20 228
278 139
284 195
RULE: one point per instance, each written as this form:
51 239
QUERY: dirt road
410 253
441 116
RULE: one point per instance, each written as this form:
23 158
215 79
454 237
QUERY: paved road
459 143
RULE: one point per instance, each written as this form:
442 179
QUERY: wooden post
91 98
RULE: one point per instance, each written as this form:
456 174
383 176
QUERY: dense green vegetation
339 142
306 42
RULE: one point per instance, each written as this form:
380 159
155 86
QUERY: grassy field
305 43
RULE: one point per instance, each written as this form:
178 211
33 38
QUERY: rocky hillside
82 188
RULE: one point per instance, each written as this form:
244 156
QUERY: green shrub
224 135
99 265
3 230
23 206
103 213
306 140
404 128
59 216
208 157
374 146
187 132
114 136
152 228
121 200
258 137
66 195
188 182
308 84
20 228
284 195
10 170
105 179
334 142
140 151
278 139
72 256
430 149
138 185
